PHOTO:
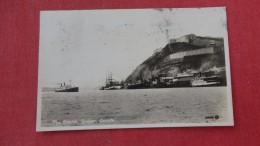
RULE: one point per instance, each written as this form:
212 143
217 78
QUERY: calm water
142 106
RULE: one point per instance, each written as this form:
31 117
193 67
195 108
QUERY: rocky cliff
156 64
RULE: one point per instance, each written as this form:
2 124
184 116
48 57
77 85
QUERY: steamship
66 88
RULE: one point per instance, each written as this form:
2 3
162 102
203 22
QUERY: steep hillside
155 64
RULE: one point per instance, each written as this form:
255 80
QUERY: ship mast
110 78
106 79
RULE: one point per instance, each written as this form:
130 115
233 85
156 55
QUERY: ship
182 80
210 78
66 88
205 81
195 79
140 84
111 84
137 85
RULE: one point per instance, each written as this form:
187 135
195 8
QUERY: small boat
67 88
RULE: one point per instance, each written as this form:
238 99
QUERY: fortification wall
209 50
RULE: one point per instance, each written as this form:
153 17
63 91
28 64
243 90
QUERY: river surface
140 106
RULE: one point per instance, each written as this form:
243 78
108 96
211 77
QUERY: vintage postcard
133 68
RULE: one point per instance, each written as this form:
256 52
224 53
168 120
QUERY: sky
84 45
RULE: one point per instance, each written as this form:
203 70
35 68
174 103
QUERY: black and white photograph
133 68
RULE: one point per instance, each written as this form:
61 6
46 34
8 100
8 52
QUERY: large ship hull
73 89
136 86
113 88
206 82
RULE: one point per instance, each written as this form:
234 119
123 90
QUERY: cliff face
159 62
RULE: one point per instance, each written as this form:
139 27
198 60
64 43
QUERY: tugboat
67 88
